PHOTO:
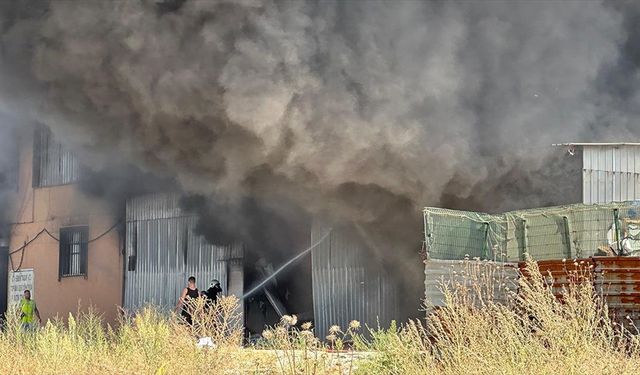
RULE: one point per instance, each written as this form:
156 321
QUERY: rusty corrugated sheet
616 279
162 251
559 274
348 285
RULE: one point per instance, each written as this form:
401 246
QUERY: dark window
133 258
53 164
73 251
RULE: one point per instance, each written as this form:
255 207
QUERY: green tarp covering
544 233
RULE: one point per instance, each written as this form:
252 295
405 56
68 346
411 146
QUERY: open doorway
288 292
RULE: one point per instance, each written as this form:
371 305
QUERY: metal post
616 223
525 241
485 254
427 235
567 237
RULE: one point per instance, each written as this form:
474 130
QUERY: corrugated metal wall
494 278
611 173
162 251
347 285
616 280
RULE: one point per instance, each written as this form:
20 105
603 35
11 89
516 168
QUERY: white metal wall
348 285
168 251
611 174
496 279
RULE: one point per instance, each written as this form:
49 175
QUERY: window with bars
53 164
73 251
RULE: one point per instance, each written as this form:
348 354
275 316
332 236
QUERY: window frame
43 140
65 251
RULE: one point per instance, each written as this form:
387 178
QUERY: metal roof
613 144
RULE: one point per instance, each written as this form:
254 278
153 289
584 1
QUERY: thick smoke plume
353 111
10 132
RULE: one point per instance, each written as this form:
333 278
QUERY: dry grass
299 351
533 333
148 343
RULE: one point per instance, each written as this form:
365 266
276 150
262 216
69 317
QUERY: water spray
300 255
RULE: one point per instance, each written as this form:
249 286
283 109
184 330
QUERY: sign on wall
19 281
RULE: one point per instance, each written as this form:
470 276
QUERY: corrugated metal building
608 222
610 171
349 284
162 251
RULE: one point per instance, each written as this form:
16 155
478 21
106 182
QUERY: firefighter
212 293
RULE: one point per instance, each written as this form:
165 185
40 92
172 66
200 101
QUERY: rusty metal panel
348 285
611 173
496 279
559 274
616 279
162 251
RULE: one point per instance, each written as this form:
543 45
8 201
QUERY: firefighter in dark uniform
212 293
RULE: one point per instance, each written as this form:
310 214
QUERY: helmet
213 283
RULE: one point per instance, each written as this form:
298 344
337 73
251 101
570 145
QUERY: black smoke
357 112
12 132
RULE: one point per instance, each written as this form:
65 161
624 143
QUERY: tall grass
533 332
530 332
151 342
298 351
